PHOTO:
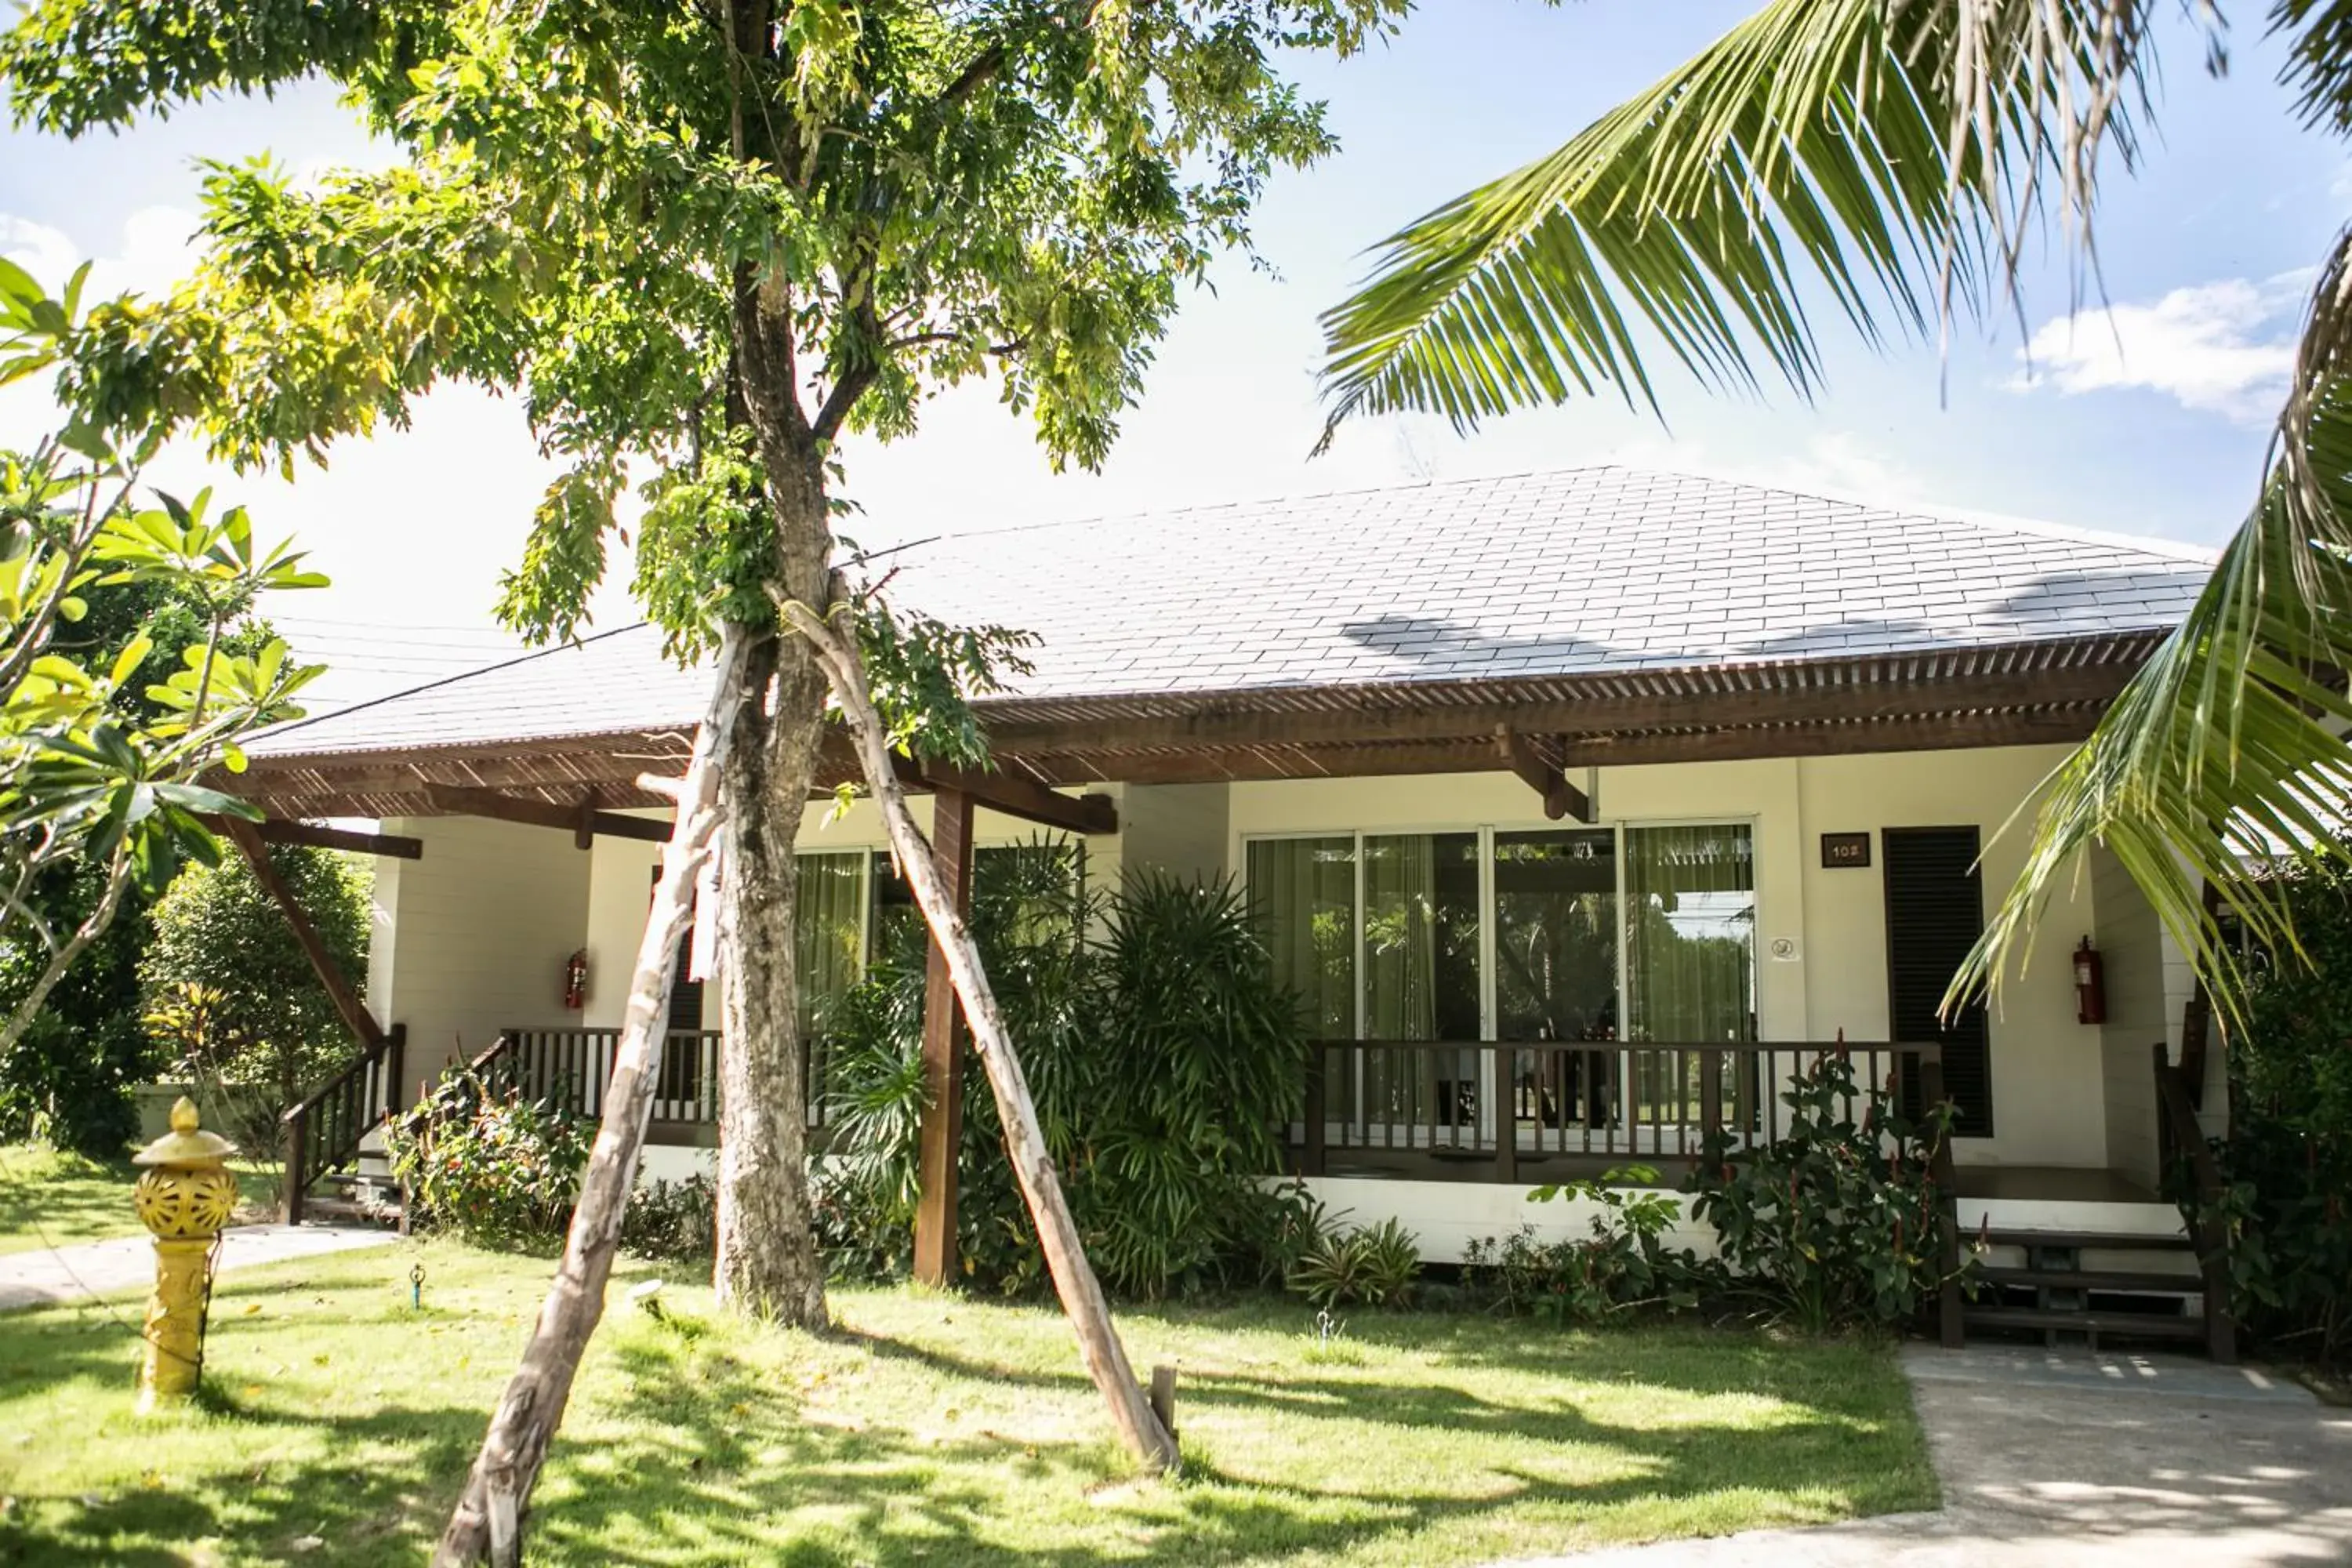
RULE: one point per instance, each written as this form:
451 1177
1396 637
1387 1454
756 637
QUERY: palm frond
2226 754
1887 154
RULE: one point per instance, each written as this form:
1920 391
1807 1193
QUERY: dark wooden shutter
1934 913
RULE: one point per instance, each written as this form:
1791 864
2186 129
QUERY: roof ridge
2164 549
526 657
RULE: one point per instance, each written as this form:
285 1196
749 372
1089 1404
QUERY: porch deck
2003 1184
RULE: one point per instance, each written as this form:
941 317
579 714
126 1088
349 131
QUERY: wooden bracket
339 987
577 820
1014 795
1561 798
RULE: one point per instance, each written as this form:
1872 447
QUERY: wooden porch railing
1499 1111
569 1067
322 1133
2181 1136
1646 1103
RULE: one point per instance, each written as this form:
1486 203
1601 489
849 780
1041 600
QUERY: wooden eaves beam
1014 795
1561 798
280 830
1404 718
581 821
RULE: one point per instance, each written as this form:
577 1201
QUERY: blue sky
2152 421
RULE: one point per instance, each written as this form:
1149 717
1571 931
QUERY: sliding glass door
1568 945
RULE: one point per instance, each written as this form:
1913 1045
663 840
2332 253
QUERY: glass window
1556 936
1690 933
1304 891
1421 937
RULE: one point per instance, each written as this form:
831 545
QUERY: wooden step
2103 1241
2043 1319
350 1211
2097 1280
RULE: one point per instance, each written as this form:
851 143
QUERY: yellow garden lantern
183 1197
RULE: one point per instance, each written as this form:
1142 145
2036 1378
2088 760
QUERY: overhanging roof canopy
1609 617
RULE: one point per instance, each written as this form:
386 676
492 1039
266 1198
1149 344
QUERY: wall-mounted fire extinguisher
575 981
2090 985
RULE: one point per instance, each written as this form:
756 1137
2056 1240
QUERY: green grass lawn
48 1197
338 1422
62 1197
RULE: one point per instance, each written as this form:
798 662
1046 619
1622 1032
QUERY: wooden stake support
1143 1432
491 1512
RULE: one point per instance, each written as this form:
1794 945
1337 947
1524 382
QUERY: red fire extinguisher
575 981
2090 985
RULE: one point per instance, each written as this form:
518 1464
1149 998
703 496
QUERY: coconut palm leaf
2226 753
1884 152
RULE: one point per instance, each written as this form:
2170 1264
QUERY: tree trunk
768 1261
487 1523
1033 1163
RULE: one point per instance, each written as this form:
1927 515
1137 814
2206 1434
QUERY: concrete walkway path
100 1267
2073 1460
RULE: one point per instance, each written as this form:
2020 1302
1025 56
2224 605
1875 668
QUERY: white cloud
2222 348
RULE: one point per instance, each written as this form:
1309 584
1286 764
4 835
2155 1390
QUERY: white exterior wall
473 937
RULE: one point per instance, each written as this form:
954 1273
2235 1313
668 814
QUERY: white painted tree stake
1032 1165
494 1510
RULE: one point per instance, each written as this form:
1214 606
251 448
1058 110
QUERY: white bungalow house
1581 807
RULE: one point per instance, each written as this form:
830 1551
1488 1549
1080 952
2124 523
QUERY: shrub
497 1170
674 1222
1161 1052
1833 1225
1371 1266
1624 1264
2288 1159
68 1082
228 990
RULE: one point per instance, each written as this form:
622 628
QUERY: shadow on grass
715 1451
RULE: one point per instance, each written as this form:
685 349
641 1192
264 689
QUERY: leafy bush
1371 1266
1161 1050
228 990
1833 1225
2288 1159
498 1169
1622 1265
68 1082
676 1222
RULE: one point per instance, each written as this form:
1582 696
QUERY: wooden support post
1951 1328
583 833
339 987
941 1135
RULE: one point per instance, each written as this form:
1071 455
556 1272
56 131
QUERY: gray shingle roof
1583 571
